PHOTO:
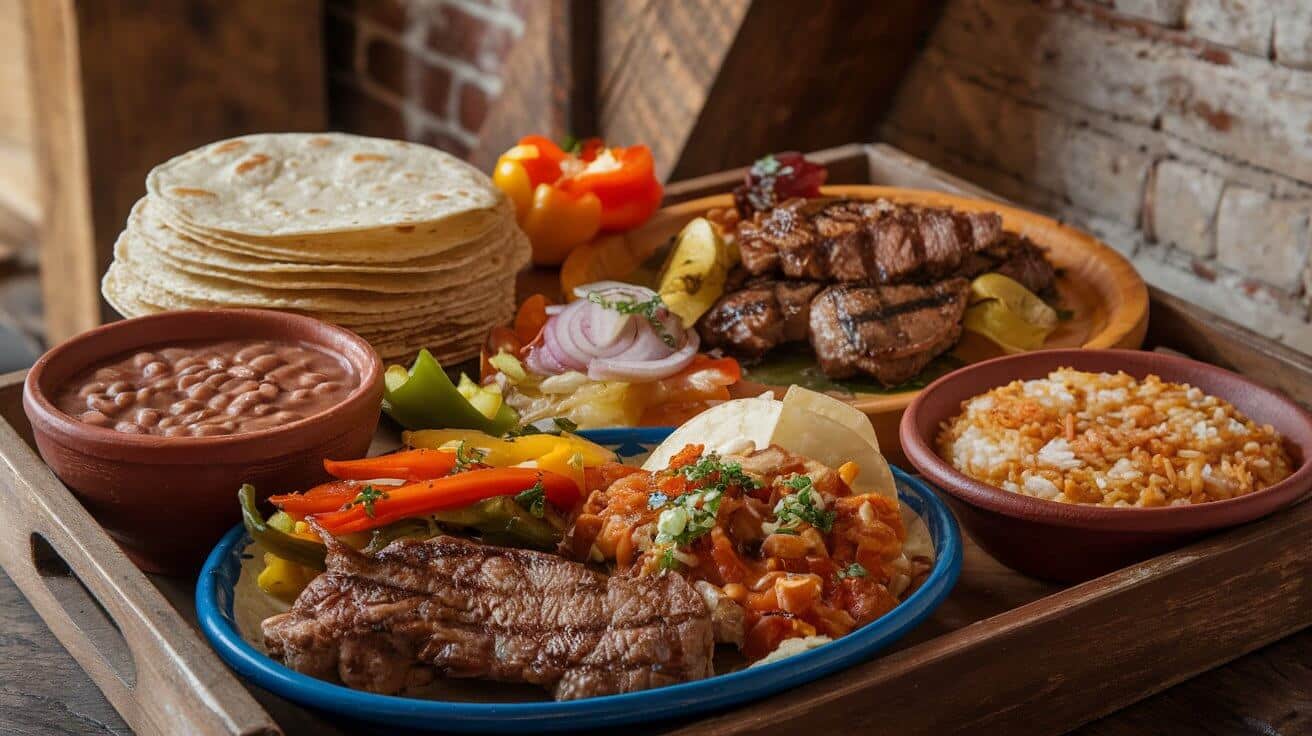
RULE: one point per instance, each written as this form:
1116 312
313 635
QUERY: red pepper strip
409 465
545 168
452 492
330 496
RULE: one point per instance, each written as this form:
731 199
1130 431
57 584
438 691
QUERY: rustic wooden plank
818 73
655 84
550 80
121 87
70 262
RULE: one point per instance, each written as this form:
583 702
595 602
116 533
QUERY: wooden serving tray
1004 654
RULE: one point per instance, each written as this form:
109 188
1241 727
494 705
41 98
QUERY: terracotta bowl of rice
1068 464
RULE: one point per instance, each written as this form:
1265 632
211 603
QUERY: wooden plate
1108 297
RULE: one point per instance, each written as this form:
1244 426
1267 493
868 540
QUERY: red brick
473 107
440 139
385 65
352 109
455 33
434 90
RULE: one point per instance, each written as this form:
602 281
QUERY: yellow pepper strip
1007 313
284 579
513 451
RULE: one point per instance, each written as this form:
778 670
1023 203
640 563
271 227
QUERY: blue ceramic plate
214 596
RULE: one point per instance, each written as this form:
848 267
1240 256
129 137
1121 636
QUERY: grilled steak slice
1016 257
446 606
889 332
873 241
761 315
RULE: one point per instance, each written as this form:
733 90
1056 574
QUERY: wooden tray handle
118 626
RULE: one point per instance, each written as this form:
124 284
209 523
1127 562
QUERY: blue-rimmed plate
218 579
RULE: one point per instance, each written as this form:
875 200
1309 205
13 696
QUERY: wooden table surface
1267 693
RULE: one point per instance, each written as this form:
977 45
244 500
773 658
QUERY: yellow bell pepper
1007 313
282 578
516 450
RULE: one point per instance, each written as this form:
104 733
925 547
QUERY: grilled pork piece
761 315
889 332
873 241
446 606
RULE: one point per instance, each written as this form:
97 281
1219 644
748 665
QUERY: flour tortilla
290 185
203 250
160 250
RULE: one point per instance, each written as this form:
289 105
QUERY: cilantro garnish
854 570
533 499
667 560
657 500
803 505
727 474
366 498
467 457
648 310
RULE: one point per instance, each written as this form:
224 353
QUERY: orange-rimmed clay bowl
1108 298
167 500
1074 542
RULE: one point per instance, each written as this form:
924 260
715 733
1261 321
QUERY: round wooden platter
1108 298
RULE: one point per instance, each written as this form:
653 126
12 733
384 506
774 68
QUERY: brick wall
422 70
1180 131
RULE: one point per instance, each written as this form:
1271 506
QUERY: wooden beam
549 80
119 87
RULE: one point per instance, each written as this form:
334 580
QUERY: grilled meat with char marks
871 241
445 606
762 314
889 332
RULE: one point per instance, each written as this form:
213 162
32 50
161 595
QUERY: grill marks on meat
763 314
445 606
863 241
889 332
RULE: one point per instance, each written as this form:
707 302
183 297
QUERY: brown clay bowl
1073 542
167 500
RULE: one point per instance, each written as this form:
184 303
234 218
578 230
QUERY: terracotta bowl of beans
1068 464
155 422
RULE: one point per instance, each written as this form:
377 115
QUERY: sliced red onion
642 371
608 344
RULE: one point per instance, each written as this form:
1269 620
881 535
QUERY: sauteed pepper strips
409 465
288 547
452 492
563 199
424 397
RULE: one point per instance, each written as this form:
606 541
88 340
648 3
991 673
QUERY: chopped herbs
533 499
805 504
727 474
657 500
649 310
854 570
688 517
366 498
668 561
467 457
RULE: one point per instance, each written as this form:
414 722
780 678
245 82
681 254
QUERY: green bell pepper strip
290 548
427 399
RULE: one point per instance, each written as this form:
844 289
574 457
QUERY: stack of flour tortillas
406 245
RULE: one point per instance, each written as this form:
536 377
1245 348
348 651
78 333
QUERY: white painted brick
1184 203
1293 32
1242 24
1262 237
1234 105
1075 164
1166 12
